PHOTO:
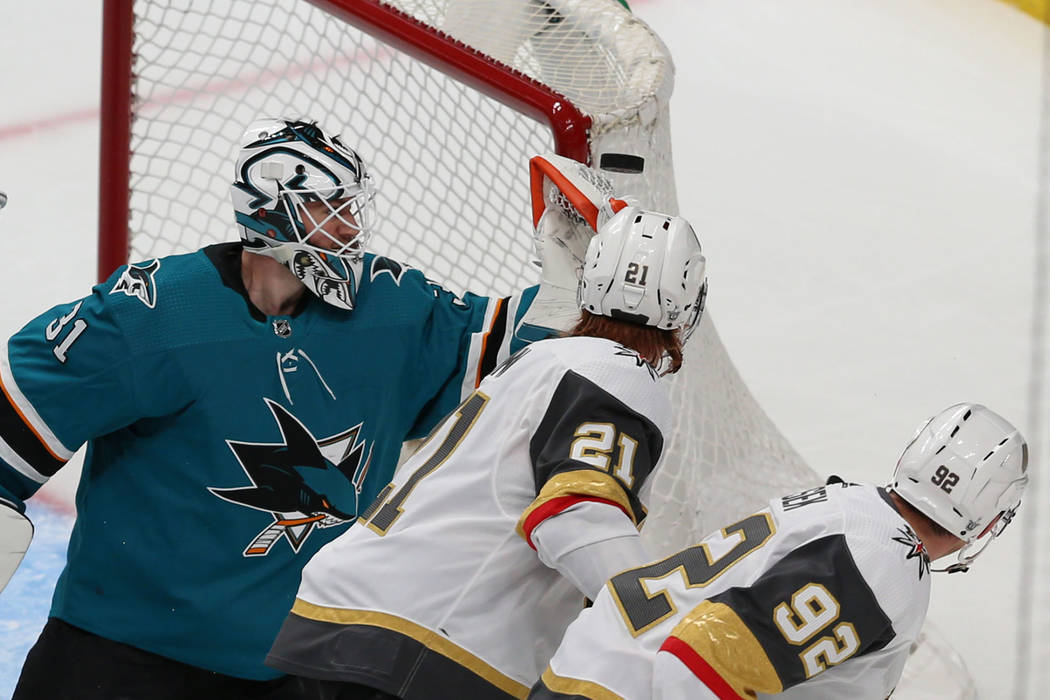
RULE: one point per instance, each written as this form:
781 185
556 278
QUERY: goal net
446 100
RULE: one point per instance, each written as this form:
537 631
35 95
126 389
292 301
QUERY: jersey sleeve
589 446
465 338
588 543
66 377
812 610
673 680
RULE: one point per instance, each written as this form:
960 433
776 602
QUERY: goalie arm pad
588 543
569 203
16 531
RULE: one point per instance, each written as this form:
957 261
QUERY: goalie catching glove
16 531
570 202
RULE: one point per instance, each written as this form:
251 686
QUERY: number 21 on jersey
593 444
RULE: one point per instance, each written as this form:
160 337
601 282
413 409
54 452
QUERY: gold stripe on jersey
720 638
430 639
585 483
576 687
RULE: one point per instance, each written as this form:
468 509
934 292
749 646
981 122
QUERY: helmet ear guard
646 268
294 185
965 470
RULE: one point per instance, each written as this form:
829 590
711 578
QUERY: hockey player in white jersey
461 578
819 596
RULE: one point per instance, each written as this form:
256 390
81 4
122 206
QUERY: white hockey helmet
647 268
966 467
285 164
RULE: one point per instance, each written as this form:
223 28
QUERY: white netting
452 168
450 163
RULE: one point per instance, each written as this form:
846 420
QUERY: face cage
356 211
973 549
687 329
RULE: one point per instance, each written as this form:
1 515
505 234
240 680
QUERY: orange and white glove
570 202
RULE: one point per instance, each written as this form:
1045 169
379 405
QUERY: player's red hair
651 343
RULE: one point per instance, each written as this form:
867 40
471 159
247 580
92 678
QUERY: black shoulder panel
586 427
806 585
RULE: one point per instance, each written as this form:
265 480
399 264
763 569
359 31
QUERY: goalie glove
16 531
570 202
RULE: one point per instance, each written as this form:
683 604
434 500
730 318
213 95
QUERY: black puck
622 163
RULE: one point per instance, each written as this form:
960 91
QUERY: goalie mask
646 268
305 199
966 471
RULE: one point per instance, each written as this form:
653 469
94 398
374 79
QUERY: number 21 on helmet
646 268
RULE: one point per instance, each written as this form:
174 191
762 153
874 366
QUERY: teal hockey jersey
225 447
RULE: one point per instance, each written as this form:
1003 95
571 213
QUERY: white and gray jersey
819 596
438 591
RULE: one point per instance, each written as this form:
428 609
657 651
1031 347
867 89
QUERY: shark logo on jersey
301 482
137 281
915 548
391 267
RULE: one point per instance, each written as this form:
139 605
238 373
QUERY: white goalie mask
305 199
646 268
966 467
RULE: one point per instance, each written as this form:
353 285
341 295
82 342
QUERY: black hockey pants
68 663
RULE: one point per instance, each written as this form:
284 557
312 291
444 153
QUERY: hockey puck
3 200
621 163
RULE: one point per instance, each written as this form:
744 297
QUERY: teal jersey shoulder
224 446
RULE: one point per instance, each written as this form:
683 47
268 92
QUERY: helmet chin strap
981 543
282 253
956 568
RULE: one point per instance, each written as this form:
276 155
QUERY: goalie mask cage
446 100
